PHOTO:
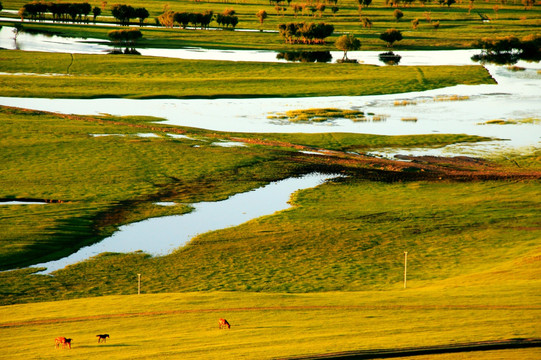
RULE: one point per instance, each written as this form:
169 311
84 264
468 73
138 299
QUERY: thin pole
405 268
138 284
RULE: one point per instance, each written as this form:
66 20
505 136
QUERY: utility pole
138 284
405 268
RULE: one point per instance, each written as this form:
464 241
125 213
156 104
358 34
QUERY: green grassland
458 26
105 181
353 230
126 76
325 275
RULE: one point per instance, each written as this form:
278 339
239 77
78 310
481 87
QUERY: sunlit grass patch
516 68
451 98
320 115
272 325
532 121
142 77
404 102
379 117
407 102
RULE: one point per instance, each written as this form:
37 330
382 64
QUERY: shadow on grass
428 350
106 345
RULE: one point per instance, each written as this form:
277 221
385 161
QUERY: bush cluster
226 20
509 49
196 19
125 38
307 33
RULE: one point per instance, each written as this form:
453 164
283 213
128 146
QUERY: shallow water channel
515 99
159 236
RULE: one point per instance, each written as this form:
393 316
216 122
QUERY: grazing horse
222 323
62 340
102 337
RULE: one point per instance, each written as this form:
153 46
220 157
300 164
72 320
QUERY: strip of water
515 96
56 43
159 236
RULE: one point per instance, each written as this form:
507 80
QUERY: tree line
60 11
123 13
307 33
169 18
80 11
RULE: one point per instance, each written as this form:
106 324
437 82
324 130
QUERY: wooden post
405 268
138 284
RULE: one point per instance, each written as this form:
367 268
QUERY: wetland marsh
441 161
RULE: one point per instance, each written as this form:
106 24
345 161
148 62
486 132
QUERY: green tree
182 18
364 3
390 36
141 14
123 13
398 14
96 11
347 43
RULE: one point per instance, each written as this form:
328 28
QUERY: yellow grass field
490 306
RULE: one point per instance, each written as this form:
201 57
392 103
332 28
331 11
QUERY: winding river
159 236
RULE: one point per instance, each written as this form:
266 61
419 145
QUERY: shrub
390 36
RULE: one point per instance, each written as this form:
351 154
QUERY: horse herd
66 342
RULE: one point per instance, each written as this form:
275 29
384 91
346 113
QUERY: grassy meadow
92 76
278 325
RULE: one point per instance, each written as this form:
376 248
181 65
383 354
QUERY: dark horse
102 337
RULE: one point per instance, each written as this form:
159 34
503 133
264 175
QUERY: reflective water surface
159 236
463 109
53 43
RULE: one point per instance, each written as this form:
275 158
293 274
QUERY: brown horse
222 323
102 337
62 340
